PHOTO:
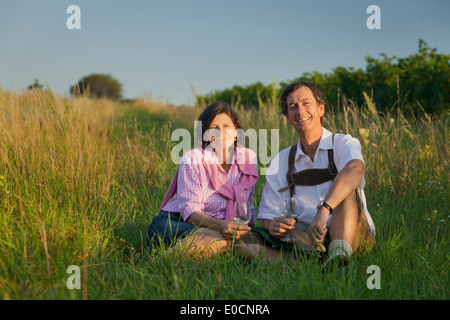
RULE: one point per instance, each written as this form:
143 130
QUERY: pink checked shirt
195 191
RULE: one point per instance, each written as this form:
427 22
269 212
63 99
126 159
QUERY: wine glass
288 211
242 214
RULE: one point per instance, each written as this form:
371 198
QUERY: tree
419 81
98 86
36 85
422 77
250 95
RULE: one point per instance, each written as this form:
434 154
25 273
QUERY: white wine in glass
288 211
242 215
242 212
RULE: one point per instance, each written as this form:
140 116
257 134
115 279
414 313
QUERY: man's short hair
318 95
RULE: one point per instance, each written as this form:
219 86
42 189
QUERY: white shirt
307 198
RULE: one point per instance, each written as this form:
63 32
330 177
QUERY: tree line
419 81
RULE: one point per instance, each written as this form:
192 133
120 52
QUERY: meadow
81 180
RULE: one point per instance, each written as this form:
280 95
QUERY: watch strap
326 205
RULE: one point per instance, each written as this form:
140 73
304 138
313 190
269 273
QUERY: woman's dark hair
213 110
318 95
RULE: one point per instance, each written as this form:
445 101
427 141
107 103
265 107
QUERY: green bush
98 86
419 81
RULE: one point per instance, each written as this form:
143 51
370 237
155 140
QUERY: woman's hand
229 229
232 230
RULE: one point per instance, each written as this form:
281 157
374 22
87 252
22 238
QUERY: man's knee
348 206
351 198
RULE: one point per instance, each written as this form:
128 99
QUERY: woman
197 212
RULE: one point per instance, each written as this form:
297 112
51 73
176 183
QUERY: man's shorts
363 238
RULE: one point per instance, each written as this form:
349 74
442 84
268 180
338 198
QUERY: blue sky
167 46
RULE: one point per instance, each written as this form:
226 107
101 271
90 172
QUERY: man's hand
318 227
279 227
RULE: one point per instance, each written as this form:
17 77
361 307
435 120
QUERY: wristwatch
325 205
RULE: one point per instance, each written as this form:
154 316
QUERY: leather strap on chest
309 177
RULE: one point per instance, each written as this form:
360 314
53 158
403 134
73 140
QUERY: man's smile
302 119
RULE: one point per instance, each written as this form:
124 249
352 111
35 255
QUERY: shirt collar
209 155
325 143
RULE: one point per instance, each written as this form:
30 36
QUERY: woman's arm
201 219
228 228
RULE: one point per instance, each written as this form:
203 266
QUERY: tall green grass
81 179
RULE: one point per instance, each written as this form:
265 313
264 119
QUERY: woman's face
222 132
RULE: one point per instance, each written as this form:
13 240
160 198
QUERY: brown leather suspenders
309 177
313 177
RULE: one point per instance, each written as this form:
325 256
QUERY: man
329 200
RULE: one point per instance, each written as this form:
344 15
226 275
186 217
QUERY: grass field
81 179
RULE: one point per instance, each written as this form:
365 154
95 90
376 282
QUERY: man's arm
346 182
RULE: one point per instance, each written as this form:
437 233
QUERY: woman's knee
206 241
160 229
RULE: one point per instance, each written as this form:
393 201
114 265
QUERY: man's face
303 112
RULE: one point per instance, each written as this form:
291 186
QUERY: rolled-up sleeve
189 191
347 149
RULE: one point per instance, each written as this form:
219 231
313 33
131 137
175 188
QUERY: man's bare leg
342 230
344 221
